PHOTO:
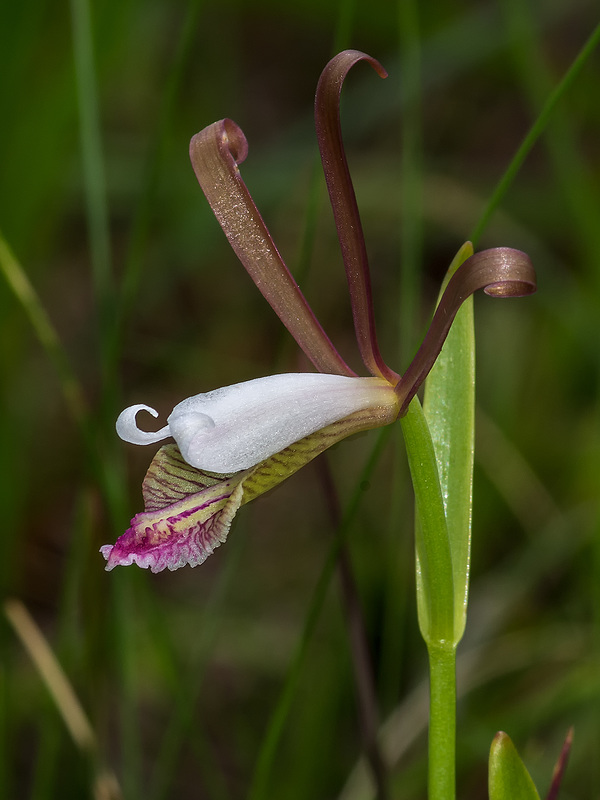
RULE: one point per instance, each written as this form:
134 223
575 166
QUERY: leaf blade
449 407
508 776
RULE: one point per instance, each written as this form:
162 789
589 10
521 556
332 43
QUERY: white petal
238 426
129 431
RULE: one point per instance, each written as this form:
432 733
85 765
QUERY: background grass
180 673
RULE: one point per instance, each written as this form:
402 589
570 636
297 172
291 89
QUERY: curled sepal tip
215 153
500 272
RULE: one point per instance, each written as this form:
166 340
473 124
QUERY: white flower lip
238 426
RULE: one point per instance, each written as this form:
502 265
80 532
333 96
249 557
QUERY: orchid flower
235 443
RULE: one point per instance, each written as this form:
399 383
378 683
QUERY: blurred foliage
179 673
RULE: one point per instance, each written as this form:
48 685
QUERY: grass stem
260 780
442 721
357 634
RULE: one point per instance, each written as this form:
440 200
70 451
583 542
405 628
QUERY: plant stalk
435 601
442 721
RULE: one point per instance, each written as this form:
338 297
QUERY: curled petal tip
500 272
514 272
514 289
234 139
128 430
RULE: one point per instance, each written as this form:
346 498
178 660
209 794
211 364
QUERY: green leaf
508 777
449 406
435 592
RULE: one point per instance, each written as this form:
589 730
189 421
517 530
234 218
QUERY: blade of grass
67 704
409 292
344 25
75 400
398 580
508 776
535 132
68 647
26 295
366 691
123 585
486 656
71 388
93 163
52 674
187 690
411 241
259 788
573 175
133 264
449 407
107 477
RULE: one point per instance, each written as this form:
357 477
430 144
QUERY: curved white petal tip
236 427
128 430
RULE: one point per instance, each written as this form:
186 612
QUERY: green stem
442 721
435 599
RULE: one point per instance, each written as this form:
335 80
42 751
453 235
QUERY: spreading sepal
344 206
216 153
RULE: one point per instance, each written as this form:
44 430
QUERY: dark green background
145 653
